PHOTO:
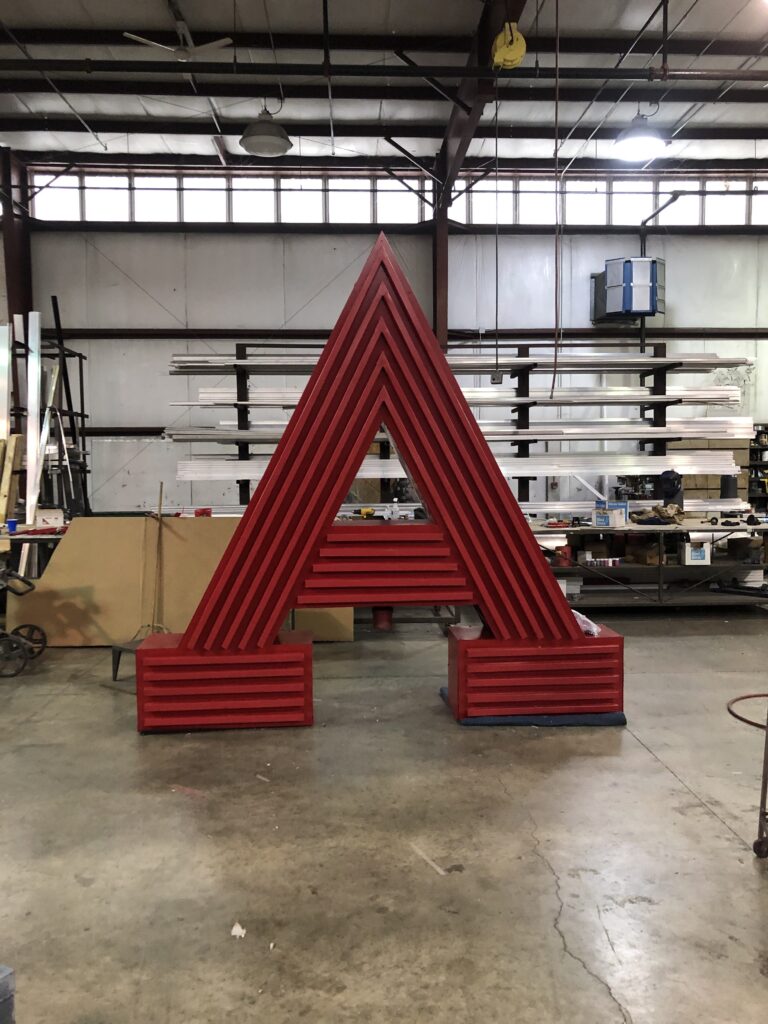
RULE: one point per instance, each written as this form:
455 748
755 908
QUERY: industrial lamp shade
263 137
640 141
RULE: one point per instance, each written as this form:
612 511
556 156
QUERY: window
686 209
107 197
725 209
396 204
301 200
350 201
59 200
632 201
760 202
253 199
537 201
155 198
226 196
204 199
585 202
492 202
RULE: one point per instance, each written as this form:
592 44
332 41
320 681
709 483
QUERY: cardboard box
594 548
698 553
732 443
326 624
102 573
610 506
688 444
741 457
754 578
643 554
695 481
745 549
609 520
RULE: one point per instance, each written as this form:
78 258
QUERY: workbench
625 595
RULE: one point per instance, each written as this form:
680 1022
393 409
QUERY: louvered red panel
393 564
177 690
492 678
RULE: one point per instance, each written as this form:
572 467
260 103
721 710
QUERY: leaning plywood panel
190 549
90 593
99 587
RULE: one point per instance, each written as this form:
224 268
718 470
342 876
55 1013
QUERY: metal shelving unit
654 396
64 480
758 468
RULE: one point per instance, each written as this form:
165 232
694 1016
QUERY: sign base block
180 690
522 682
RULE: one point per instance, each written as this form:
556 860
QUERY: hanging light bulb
640 141
264 137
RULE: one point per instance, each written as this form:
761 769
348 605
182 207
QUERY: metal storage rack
64 481
758 468
655 395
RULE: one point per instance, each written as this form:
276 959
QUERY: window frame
756 184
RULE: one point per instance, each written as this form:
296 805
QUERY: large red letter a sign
381 366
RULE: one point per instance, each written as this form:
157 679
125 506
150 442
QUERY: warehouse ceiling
138 102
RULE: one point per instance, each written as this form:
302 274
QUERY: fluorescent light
263 137
640 141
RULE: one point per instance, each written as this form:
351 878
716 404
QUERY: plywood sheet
90 593
190 550
98 588
327 623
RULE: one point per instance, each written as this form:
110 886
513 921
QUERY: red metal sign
382 365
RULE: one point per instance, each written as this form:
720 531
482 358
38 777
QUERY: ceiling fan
182 52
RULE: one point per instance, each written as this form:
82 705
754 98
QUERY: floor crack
746 843
503 786
626 1016
607 934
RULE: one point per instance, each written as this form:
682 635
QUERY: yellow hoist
508 47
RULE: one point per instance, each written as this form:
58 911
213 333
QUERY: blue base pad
604 718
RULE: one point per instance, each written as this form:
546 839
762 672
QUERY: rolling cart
760 845
25 642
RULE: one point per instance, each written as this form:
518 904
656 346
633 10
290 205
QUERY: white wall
207 281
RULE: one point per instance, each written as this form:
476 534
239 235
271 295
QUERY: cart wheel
760 846
13 656
34 636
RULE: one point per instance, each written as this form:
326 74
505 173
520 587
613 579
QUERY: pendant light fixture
640 141
265 137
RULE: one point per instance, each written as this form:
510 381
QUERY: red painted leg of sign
496 682
181 690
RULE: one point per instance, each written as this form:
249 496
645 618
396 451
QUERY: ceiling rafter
587 44
470 72
371 164
133 86
361 129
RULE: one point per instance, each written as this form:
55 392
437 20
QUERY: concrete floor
584 875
